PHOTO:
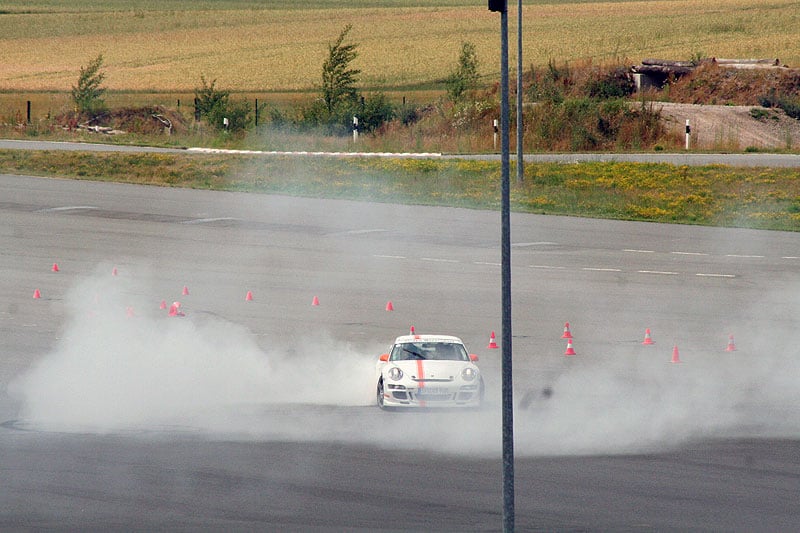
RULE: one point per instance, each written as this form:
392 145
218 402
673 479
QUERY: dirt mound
149 120
716 85
724 107
732 128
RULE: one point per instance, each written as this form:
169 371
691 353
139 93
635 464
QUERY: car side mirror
473 357
385 357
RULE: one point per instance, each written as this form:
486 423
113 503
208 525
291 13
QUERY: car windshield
429 351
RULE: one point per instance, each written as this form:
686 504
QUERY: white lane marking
716 275
547 267
363 231
522 244
640 251
790 257
602 269
319 154
389 256
746 256
485 263
688 253
437 260
664 272
66 208
207 220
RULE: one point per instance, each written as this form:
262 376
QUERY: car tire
379 396
481 393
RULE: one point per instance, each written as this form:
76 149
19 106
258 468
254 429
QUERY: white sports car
428 371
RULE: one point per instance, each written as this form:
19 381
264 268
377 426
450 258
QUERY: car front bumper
397 395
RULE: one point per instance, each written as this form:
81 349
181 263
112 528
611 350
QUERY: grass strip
763 198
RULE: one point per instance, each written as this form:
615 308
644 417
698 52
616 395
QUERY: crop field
271 46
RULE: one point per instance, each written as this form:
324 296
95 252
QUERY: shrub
215 106
618 83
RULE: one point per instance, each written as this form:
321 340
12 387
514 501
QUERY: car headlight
468 374
395 373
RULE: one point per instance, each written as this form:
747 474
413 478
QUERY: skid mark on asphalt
208 220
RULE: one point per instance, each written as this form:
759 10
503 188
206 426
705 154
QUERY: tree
87 95
465 77
338 79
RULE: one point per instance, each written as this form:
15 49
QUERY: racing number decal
420 377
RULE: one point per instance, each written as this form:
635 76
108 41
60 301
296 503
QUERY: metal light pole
520 162
505 218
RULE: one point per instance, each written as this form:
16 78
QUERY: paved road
691 159
257 414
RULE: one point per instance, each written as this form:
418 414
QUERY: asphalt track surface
628 441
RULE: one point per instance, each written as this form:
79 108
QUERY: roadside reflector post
688 133
495 129
355 128
28 121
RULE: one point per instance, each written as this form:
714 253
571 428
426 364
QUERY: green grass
710 195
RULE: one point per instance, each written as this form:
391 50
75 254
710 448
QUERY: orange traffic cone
492 342
114 271
675 357
175 309
185 291
647 339
163 304
569 350
412 331
248 297
315 301
731 346
129 312
55 267
567 334
389 306
36 294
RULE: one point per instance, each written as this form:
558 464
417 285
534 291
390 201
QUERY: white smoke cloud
112 372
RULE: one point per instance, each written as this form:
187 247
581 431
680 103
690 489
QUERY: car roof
405 339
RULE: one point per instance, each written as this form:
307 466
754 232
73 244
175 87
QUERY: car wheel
379 398
481 393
